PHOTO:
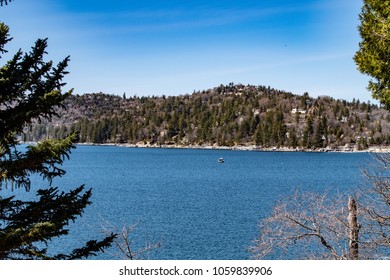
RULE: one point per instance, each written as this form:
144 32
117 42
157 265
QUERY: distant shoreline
341 149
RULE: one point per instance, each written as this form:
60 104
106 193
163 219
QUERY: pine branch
31 91
29 222
43 159
2 2
90 249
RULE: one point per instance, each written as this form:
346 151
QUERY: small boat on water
221 160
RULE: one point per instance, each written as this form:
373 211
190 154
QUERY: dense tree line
227 115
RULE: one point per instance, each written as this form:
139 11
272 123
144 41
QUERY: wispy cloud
188 42
176 19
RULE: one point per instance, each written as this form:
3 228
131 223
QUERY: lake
196 207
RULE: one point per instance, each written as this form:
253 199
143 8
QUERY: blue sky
175 47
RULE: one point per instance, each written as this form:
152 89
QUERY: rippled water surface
198 208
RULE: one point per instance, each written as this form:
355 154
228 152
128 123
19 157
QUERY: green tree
320 134
279 127
308 131
30 91
373 56
2 2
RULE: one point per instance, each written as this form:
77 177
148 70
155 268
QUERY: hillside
228 115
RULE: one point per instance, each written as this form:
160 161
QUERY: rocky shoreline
341 149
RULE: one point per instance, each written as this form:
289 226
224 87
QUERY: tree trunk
353 230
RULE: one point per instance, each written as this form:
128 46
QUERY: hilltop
227 115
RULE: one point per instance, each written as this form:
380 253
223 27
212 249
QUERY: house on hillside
297 110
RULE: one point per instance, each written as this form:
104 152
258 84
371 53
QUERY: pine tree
373 56
30 91
308 131
2 2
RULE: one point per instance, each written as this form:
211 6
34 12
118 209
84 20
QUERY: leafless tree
124 242
353 230
332 227
376 205
315 222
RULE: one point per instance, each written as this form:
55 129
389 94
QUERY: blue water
197 208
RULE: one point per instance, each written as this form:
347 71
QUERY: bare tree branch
375 205
315 222
124 243
331 227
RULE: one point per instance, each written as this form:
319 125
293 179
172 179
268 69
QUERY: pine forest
225 116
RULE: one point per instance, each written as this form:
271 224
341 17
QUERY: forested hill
230 115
